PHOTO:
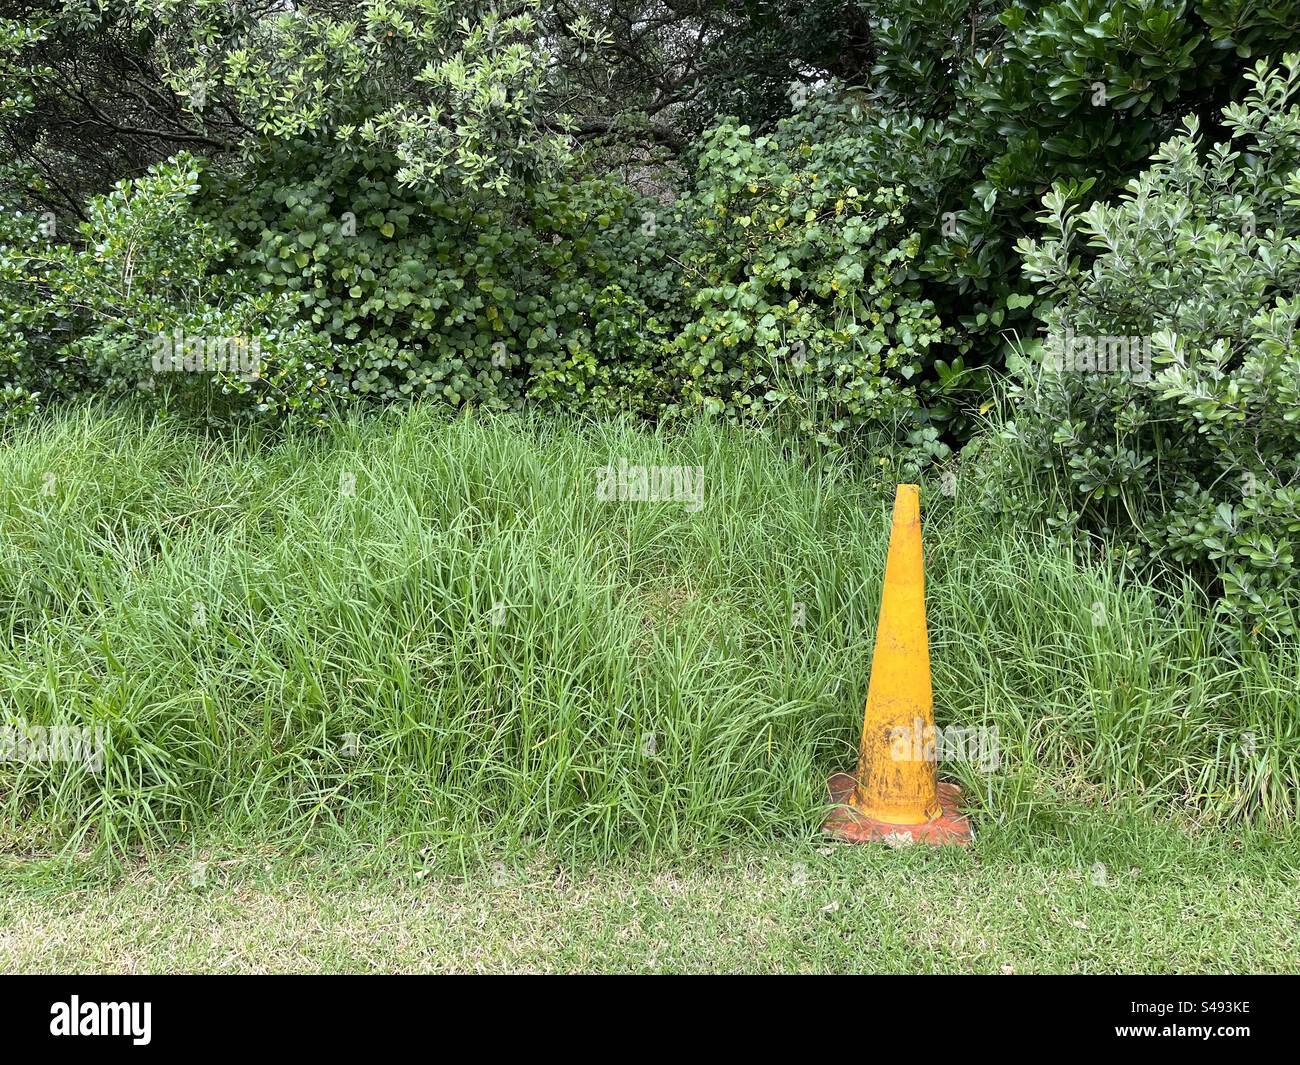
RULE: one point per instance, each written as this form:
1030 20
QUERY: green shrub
1008 97
140 302
487 301
1187 448
459 93
22 384
804 307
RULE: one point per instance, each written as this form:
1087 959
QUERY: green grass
234 618
1101 897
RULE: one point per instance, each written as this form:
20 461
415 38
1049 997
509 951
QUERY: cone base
852 826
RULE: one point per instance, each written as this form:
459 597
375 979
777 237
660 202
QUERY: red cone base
847 823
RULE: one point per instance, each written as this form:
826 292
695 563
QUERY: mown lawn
1091 897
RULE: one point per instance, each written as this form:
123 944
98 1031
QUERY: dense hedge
804 305
548 297
778 288
1164 409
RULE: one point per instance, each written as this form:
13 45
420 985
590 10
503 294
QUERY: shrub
479 300
141 294
22 385
803 302
457 92
1013 96
1190 450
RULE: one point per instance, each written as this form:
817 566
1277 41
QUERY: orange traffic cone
895 795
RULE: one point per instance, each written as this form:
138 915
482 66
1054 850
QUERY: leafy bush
22 384
1014 96
471 300
139 302
1186 445
803 303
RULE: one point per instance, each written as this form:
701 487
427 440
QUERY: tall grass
436 633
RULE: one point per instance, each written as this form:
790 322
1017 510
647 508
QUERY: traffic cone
895 795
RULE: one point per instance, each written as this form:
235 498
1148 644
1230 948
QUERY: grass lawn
1096 898
371 676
